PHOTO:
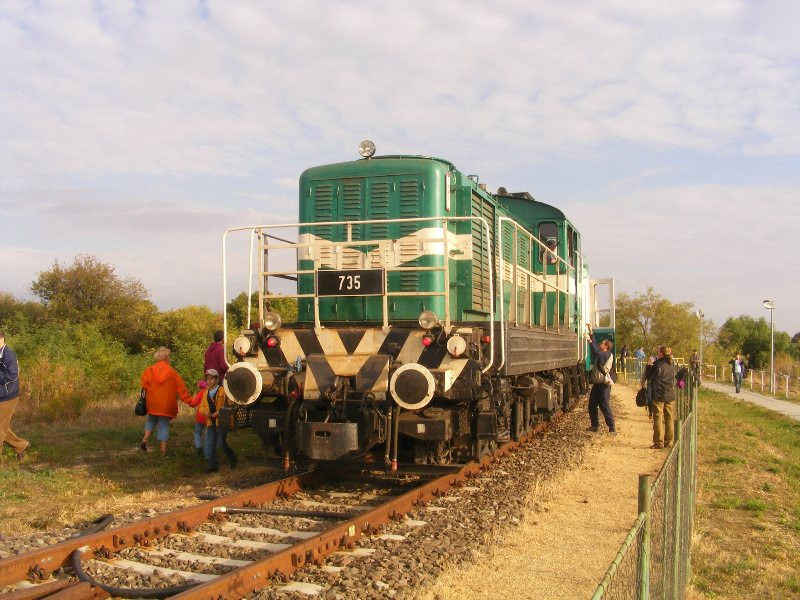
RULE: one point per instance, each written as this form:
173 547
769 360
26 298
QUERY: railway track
217 550
264 535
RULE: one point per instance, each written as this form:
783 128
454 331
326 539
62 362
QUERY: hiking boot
657 446
612 432
592 429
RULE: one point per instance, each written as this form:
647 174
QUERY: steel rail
278 566
47 560
263 572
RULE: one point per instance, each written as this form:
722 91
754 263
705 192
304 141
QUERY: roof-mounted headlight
272 321
428 319
366 148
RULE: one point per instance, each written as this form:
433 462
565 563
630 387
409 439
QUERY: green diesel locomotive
435 319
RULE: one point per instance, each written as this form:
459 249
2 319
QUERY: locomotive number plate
350 282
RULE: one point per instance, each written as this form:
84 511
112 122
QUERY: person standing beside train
661 383
163 386
601 375
9 398
216 435
215 355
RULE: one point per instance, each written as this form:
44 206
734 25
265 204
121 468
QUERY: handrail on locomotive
384 245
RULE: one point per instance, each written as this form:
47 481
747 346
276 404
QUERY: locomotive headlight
456 345
428 319
366 148
272 321
241 345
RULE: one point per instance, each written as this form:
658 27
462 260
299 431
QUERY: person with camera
602 378
660 378
738 369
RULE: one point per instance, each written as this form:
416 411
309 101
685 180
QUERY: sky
669 133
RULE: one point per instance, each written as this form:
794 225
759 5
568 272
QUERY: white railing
385 248
758 380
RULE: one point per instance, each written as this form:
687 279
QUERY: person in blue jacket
600 395
9 398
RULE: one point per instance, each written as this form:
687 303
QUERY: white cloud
139 131
157 88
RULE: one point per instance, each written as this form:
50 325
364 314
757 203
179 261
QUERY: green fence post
644 550
678 441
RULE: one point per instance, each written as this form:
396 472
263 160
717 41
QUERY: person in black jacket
9 398
661 382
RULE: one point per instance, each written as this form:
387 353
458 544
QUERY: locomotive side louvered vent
480 253
409 248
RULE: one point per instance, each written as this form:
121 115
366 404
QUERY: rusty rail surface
103 543
261 573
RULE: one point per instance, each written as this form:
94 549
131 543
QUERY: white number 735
349 282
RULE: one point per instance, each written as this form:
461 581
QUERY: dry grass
747 542
80 468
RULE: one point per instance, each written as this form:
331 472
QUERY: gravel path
573 524
457 529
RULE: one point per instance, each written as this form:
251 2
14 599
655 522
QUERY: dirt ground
574 526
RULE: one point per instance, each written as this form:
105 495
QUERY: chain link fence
654 561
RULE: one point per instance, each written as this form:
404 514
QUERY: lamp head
769 304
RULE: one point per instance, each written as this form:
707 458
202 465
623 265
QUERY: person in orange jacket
163 386
199 418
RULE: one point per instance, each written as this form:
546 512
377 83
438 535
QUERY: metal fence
758 380
654 561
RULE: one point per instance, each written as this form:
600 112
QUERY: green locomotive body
435 319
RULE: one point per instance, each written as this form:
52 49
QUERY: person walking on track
9 398
602 379
163 386
661 382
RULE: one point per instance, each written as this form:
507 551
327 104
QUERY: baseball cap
212 372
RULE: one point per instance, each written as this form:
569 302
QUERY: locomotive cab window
548 235
571 239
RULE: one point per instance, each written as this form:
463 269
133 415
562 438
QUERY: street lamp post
700 316
770 306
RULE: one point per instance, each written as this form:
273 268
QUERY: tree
88 291
650 320
237 310
751 337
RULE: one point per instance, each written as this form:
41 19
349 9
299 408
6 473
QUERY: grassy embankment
747 542
80 468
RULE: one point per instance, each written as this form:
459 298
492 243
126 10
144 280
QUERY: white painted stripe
132 565
201 558
249 544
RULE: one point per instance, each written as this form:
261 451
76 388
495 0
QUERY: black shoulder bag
141 405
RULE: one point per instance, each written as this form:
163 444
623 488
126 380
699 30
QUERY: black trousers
600 398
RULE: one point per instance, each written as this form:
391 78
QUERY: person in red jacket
215 356
199 418
163 386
